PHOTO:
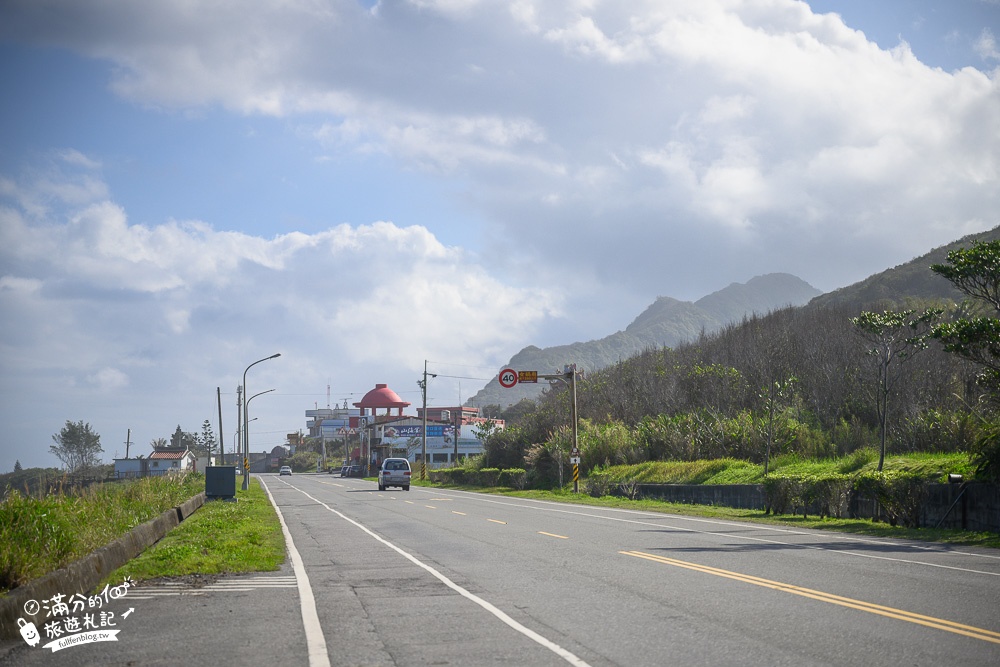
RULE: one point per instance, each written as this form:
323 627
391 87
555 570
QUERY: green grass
932 467
39 535
220 538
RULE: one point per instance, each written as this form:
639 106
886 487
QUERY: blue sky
365 186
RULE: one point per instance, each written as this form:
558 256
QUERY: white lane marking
316 643
561 510
527 632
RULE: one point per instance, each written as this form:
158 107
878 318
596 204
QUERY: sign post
508 378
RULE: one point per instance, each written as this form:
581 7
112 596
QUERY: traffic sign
508 378
575 460
527 376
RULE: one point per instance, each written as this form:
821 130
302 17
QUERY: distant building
160 462
386 434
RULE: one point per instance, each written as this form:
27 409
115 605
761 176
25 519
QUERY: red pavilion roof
381 397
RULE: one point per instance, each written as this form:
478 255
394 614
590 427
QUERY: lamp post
246 440
246 427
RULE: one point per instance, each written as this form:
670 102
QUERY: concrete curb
84 574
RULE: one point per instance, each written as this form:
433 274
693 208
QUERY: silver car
394 472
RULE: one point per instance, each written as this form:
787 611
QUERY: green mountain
666 322
912 280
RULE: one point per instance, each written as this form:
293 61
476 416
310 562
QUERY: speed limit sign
508 378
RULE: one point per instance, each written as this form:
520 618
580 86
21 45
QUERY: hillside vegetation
666 322
798 383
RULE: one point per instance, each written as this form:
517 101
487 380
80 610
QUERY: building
160 462
381 434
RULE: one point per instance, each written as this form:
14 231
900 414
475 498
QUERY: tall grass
929 466
39 535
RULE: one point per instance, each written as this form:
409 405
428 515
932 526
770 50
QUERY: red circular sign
508 378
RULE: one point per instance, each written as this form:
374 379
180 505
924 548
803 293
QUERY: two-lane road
448 577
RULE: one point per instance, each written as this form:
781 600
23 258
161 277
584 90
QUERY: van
394 472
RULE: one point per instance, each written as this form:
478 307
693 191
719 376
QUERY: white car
394 472
285 470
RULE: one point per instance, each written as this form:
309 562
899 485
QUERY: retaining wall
971 506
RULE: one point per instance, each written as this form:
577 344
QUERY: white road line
316 643
527 632
560 508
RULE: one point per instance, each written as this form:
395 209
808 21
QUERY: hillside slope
912 280
666 322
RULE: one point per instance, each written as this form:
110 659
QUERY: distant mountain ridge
666 322
912 280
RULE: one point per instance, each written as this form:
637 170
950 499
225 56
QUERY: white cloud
608 151
986 45
102 316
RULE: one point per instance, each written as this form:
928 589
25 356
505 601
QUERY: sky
369 187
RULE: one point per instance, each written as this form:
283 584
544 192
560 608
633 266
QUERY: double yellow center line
888 612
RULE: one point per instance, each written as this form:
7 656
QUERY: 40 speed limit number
508 378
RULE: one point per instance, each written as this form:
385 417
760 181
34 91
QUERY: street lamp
246 426
247 440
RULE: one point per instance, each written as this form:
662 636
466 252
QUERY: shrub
782 494
516 478
985 455
596 485
900 494
489 477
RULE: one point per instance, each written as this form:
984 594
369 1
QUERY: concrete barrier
83 575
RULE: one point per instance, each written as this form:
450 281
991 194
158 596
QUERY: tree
893 338
975 272
17 466
206 443
77 446
158 443
774 396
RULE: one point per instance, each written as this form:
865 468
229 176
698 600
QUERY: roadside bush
516 478
489 477
828 494
985 455
597 484
543 465
900 494
782 494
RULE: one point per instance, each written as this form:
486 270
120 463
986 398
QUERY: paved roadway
431 577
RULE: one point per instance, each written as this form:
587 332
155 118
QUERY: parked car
394 472
285 470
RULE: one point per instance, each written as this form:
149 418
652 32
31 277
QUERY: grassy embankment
40 535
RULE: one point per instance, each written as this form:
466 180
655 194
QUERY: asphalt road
430 577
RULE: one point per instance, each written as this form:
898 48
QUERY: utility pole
458 427
423 440
128 442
